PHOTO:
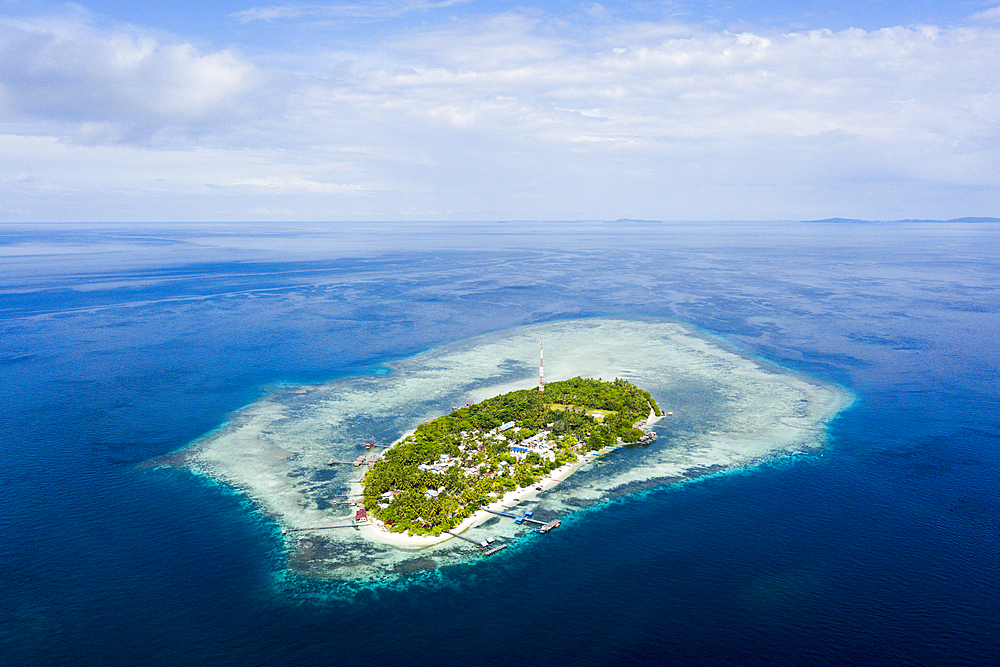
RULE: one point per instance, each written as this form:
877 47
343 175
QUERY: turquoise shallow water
121 344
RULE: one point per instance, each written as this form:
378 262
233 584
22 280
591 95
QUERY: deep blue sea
120 343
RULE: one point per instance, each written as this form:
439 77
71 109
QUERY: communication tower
541 368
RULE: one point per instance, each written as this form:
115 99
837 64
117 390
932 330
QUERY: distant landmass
907 220
620 220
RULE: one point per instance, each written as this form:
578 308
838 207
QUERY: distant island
437 477
634 220
907 220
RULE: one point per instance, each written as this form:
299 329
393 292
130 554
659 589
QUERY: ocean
123 344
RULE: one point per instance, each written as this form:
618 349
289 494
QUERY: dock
285 531
543 526
555 523
526 518
484 546
360 461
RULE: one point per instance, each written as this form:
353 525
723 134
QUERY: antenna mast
541 368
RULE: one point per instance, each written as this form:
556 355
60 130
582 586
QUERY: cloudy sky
484 110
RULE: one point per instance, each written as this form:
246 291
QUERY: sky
463 110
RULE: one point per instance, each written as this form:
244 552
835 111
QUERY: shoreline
374 530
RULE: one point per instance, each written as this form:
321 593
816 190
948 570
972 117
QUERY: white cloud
115 84
907 84
297 183
519 115
987 16
370 10
597 11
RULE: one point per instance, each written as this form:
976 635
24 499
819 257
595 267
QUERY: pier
484 546
360 461
285 531
543 526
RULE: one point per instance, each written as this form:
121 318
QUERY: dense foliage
450 467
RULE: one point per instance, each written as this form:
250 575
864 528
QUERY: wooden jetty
526 518
485 546
543 526
360 461
555 523
467 539
285 531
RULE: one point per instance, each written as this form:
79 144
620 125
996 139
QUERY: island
437 477
731 411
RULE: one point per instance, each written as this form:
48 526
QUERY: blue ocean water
120 343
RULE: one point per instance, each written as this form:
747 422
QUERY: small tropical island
437 477
294 452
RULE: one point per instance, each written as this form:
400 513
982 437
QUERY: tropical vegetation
453 465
